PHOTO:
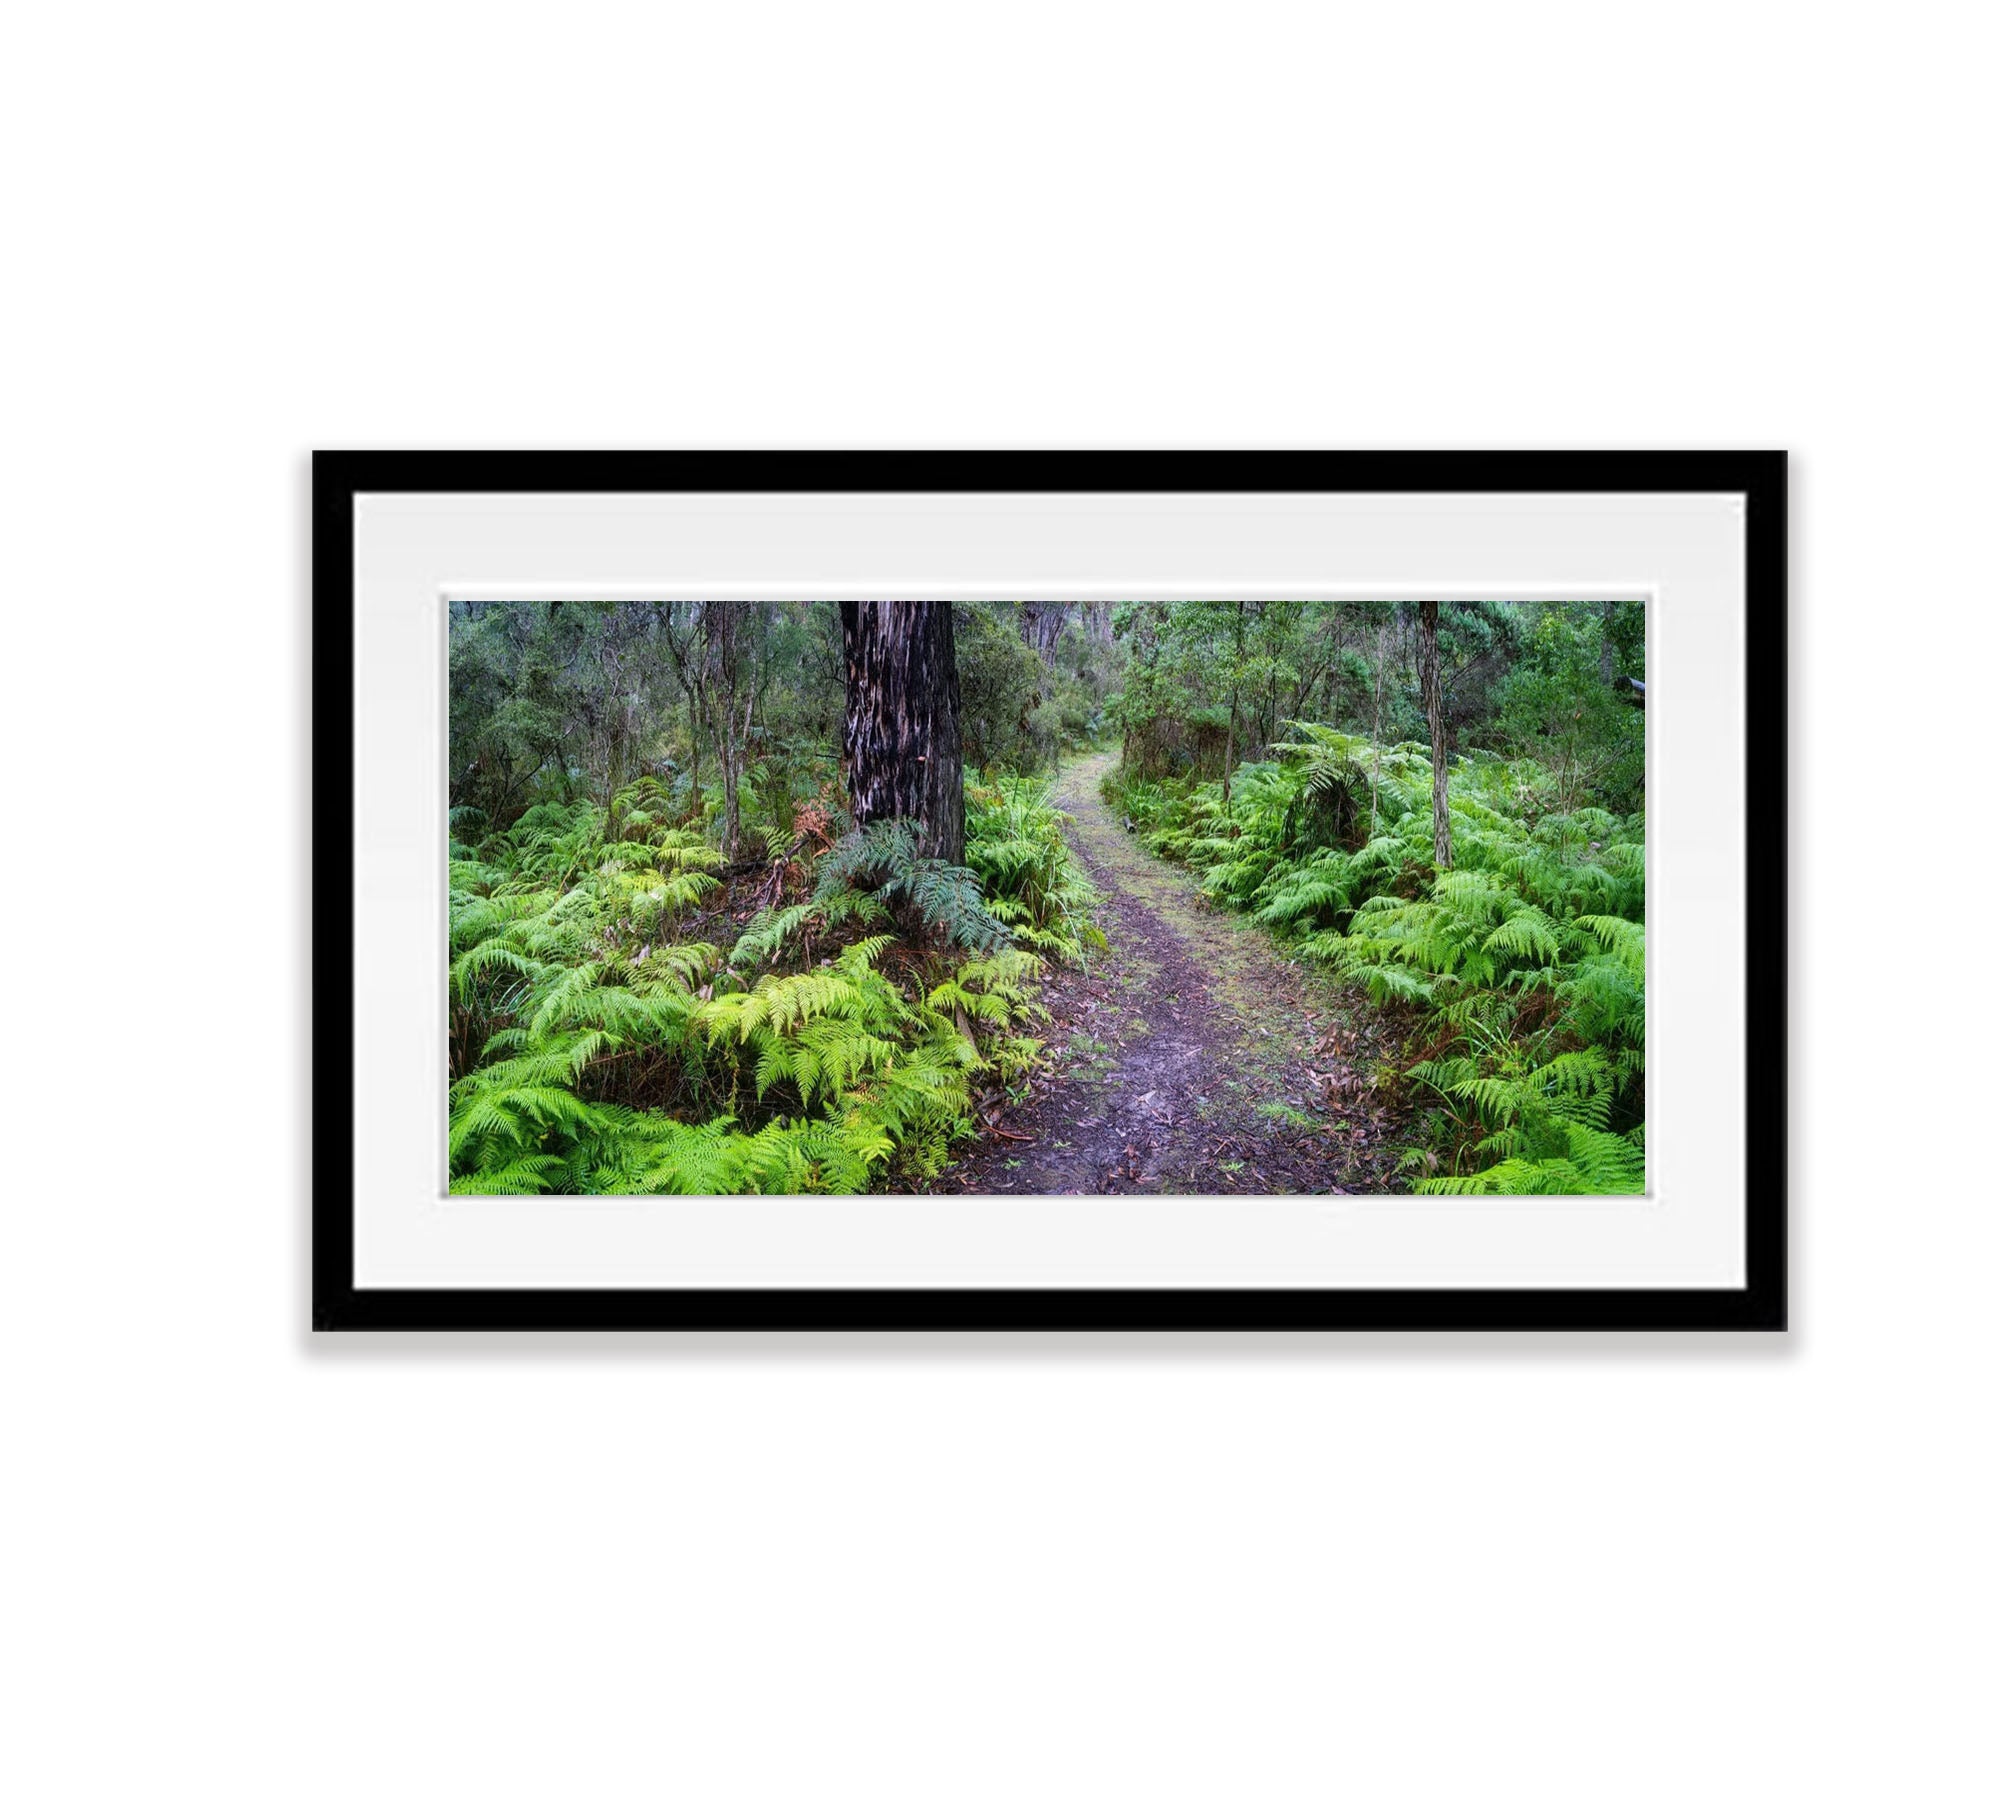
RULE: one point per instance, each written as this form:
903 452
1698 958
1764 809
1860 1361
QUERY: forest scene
1047 897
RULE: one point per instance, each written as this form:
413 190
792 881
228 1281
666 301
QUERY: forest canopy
779 896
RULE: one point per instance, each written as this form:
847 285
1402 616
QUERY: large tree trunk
1433 689
901 740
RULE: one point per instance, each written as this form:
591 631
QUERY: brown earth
1191 1057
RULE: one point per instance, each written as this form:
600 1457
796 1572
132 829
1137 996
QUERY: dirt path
1191 1058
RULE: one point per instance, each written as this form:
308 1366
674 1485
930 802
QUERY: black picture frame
340 476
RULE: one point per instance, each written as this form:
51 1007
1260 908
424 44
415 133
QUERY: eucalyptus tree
900 741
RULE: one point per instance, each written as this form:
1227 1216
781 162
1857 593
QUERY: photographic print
965 891
1058 897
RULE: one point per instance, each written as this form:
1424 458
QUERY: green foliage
1557 706
1522 969
1031 882
943 898
1204 676
632 1010
1021 706
600 1045
1001 678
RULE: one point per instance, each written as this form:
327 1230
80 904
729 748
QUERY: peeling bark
901 739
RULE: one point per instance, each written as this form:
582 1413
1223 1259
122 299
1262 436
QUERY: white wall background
241 1564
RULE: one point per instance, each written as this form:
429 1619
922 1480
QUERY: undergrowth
1521 971
617 1028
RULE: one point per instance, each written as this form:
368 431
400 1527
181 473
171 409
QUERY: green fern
1520 971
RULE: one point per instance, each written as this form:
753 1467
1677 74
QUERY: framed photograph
1067 891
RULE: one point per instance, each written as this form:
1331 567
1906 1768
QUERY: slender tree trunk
1433 690
614 774
901 739
721 626
725 627
1042 624
1607 656
1333 675
1235 705
1375 777
732 804
695 728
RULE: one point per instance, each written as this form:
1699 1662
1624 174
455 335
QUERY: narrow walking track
1192 1057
